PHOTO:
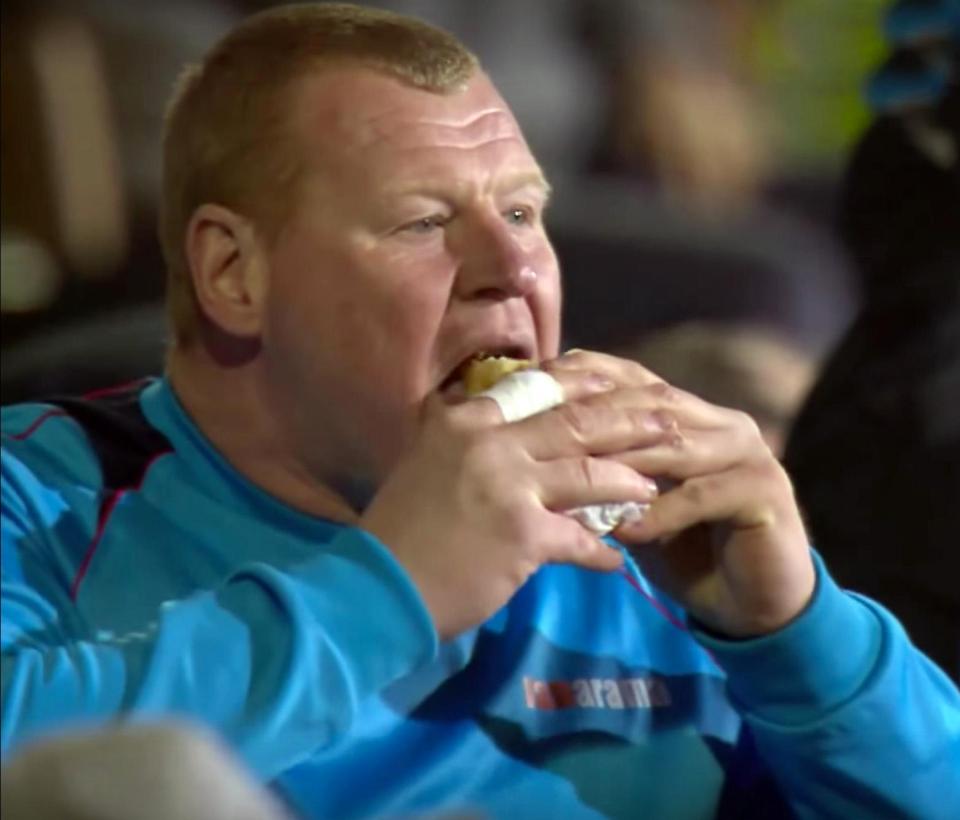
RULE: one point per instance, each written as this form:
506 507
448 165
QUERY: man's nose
494 264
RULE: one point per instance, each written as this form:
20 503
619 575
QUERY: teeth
503 354
481 374
483 355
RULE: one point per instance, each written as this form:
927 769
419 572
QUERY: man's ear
229 267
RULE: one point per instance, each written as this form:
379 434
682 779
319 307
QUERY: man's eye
426 224
518 216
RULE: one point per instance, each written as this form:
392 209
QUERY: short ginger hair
228 135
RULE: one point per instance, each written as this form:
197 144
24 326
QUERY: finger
689 453
570 543
623 372
576 482
741 496
578 428
641 386
686 408
581 384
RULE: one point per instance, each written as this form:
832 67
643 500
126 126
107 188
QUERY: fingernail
572 350
652 485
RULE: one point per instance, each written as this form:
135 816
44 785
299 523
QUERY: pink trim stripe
49 414
656 604
662 609
117 388
58 411
105 512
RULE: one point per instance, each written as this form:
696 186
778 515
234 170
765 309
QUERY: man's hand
476 507
725 537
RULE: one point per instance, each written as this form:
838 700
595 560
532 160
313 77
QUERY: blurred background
758 198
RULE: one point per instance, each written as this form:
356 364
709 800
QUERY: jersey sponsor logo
648 692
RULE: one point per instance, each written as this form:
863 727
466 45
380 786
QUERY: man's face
416 242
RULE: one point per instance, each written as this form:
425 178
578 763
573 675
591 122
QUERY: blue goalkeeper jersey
143 577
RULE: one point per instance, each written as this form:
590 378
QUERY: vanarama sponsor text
596 693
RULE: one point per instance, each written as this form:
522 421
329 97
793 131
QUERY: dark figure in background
875 453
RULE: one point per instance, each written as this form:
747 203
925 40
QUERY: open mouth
455 376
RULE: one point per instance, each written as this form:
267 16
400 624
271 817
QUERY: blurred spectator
58 156
173 33
746 367
684 115
875 453
82 110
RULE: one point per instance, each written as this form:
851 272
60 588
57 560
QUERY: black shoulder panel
124 441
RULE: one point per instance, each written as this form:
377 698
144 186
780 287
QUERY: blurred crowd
703 155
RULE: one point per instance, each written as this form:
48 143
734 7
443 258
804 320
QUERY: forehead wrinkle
471 120
478 129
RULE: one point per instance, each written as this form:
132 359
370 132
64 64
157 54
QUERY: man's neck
229 409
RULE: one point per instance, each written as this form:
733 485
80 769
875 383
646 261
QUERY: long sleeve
275 660
850 718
